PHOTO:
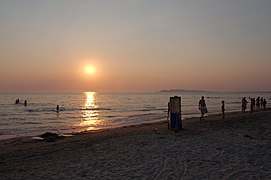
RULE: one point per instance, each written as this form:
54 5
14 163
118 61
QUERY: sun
90 70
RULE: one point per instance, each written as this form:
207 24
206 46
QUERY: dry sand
237 147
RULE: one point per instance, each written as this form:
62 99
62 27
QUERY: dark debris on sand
50 137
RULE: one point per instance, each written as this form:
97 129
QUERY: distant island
189 90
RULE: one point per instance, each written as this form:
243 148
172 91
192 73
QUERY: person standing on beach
223 109
244 104
252 104
25 103
258 102
261 102
264 103
202 108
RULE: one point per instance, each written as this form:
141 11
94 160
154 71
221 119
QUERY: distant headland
192 90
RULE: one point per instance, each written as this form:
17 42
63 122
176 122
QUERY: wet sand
238 147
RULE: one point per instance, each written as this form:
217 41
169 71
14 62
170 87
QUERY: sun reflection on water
89 112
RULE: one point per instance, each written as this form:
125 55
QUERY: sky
135 45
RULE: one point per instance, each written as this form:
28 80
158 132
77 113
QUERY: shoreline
83 130
139 124
215 148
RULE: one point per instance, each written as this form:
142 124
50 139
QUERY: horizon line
159 91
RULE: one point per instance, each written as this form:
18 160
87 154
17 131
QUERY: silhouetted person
202 107
17 101
252 104
264 103
244 104
57 108
25 103
258 102
223 109
261 102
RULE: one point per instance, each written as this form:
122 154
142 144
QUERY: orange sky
135 45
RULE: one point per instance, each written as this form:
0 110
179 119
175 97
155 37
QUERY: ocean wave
209 97
152 109
40 110
109 116
234 102
4 115
24 123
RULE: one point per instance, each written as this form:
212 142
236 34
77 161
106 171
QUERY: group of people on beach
203 108
17 101
258 103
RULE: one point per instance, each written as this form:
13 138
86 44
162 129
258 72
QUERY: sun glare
89 70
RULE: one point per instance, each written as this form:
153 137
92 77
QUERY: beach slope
236 147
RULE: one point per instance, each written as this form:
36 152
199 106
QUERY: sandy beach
237 147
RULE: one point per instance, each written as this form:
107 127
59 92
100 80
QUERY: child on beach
223 109
202 108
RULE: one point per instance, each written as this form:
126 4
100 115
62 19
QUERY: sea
91 111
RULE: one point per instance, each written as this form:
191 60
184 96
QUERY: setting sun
90 70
